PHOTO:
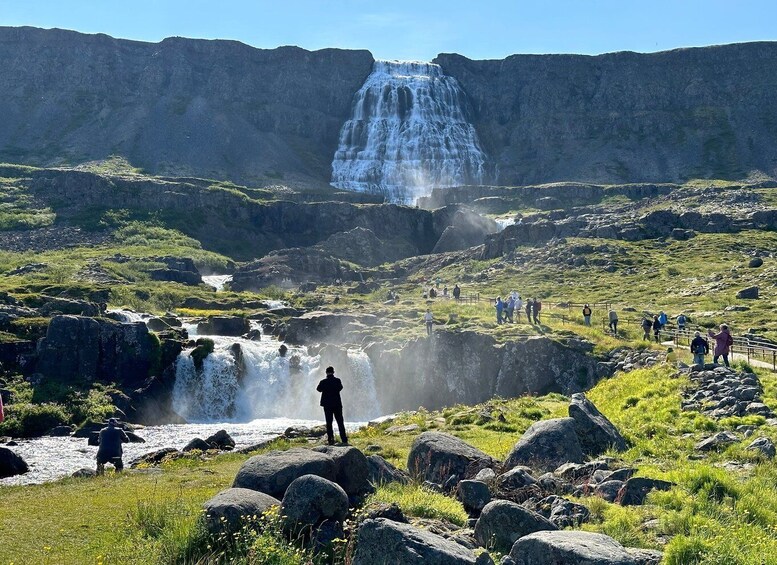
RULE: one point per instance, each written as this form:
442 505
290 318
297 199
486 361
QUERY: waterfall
259 383
409 132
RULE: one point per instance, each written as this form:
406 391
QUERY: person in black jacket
699 347
330 388
110 451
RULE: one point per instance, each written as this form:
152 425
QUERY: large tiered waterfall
409 132
258 382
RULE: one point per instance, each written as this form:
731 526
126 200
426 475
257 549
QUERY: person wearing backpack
587 315
723 343
699 347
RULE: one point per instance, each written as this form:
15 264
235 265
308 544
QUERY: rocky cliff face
218 109
221 109
626 117
468 367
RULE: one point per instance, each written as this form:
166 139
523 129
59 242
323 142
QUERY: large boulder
546 445
594 431
81 348
274 471
224 325
310 500
474 495
229 510
436 457
636 489
570 546
352 469
382 472
502 522
11 464
221 440
381 541
749 293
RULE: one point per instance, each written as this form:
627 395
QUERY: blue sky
420 29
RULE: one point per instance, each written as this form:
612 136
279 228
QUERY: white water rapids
255 397
409 132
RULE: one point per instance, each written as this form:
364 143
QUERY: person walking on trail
681 321
330 388
510 308
109 451
587 315
723 343
529 307
456 291
500 306
429 319
662 319
699 347
657 329
646 326
518 306
613 317
536 310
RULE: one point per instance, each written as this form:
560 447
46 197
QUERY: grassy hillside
714 515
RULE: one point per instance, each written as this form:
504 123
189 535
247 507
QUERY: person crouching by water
330 388
110 439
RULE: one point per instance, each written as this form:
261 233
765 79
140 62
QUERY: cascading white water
409 132
262 384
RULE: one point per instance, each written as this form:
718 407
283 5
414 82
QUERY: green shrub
32 420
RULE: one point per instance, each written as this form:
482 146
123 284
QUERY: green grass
415 500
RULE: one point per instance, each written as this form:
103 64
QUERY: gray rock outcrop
352 470
233 508
11 464
546 445
502 522
436 457
77 347
274 471
310 499
381 541
569 546
595 432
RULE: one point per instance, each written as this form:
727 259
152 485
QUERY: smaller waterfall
217 281
259 383
409 132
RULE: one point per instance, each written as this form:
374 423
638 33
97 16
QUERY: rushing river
51 458
246 387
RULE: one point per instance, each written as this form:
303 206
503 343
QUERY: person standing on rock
723 343
613 317
330 388
109 450
587 315
429 319
699 347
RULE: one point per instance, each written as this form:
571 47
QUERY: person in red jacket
330 388
723 343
